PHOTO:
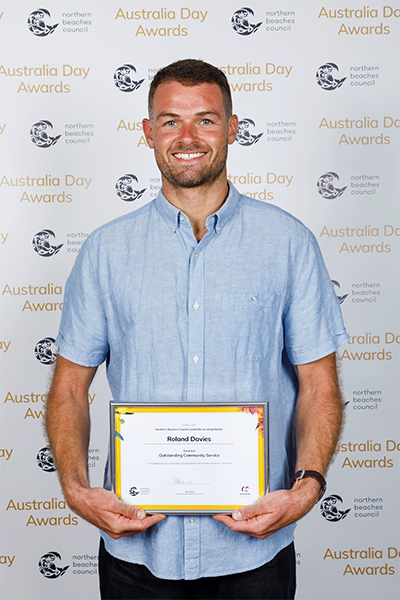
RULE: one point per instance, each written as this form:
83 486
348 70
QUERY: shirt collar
217 220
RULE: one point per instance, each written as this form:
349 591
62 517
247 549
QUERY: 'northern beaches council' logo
244 137
125 188
41 243
244 21
37 23
75 133
241 22
330 510
277 131
361 185
341 297
39 134
125 78
326 77
327 186
72 22
46 351
48 568
45 460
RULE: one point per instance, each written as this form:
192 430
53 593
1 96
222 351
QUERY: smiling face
190 134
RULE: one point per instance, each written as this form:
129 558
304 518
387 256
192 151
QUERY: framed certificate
189 458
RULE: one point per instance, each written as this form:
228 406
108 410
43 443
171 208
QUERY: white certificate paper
185 458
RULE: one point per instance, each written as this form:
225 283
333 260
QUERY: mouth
188 155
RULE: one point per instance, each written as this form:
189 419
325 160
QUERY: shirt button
196 305
218 229
192 520
254 298
196 359
196 255
181 218
173 227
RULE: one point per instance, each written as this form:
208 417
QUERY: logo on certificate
134 491
245 490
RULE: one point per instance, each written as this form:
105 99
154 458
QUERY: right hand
107 512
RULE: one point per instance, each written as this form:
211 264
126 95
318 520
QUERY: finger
251 527
245 526
249 511
128 524
153 519
227 520
124 526
131 512
137 514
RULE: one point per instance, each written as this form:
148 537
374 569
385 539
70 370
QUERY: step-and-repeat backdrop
316 87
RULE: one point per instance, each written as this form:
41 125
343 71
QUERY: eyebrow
199 114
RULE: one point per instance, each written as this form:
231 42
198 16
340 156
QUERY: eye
170 123
206 121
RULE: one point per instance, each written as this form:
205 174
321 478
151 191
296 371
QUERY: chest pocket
248 323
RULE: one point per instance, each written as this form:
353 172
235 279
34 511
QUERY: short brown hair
192 72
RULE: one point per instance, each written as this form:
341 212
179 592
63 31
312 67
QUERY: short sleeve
313 324
82 336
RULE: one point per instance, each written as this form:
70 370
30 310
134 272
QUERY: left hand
274 511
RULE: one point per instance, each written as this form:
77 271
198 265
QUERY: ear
147 130
232 128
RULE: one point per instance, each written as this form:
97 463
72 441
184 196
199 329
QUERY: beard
190 176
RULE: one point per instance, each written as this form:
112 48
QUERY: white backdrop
316 88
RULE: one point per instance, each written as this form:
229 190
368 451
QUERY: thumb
132 512
247 512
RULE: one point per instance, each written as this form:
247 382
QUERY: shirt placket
195 388
195 374
192 547
195 379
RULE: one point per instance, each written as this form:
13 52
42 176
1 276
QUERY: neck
198 203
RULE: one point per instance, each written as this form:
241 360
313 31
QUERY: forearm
67 424
319 416
318 424
68 428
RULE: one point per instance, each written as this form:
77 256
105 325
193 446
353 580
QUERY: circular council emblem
42 243
325 77
48 568
240 22
134 491
329 510
243 136
37 25
125 188
124 79
326 186
336 286
45 461
39 134
46 351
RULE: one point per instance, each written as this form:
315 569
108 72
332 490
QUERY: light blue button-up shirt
222 320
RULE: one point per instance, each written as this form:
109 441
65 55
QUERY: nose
188 133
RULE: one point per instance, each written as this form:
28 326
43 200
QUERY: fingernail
237 515
140 514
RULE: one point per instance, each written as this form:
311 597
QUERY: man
200 295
